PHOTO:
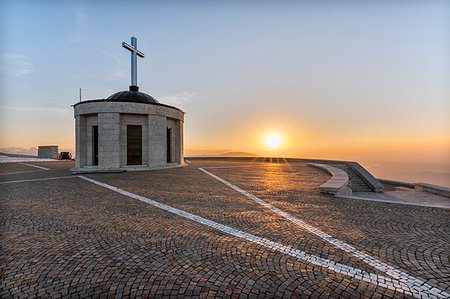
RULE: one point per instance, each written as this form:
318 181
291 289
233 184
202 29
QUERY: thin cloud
115 75
75 38
15 64
180 98
119 61
82 36
80 16
36 109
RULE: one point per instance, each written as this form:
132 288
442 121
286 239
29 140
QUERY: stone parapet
439 190
396 183
366 176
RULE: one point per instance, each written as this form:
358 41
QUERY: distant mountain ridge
228 154
18 151
238 154
17 155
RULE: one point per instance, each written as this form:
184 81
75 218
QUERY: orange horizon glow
295 144
280 138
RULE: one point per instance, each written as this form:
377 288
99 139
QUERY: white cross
134 54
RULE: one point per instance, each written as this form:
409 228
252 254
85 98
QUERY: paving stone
74 238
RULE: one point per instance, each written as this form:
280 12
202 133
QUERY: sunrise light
272 140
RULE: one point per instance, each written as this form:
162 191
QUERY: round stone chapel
130 130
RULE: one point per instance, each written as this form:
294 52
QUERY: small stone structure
49 151
129 130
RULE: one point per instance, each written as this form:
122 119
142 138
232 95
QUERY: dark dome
133 96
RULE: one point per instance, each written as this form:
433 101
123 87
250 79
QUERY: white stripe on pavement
382 281
42 179
31 165
415 284
17 172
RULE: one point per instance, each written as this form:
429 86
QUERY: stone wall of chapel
181 149
80 141
108 137
157 140
112 119
174 124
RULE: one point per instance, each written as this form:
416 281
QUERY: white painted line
386 282
43 179
404 278
31 165
4 160
25 171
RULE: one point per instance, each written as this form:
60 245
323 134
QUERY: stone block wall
80 141
108 140
175 125
50 151
157 141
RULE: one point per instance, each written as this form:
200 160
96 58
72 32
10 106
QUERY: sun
273 140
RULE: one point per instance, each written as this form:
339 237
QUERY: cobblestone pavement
182 232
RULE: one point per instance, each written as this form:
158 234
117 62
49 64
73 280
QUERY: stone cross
134 54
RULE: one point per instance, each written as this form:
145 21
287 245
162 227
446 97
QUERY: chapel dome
133 96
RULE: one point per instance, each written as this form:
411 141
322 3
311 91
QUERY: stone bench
338 184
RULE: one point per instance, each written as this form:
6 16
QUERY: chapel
128 131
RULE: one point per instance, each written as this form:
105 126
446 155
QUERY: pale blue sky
369 71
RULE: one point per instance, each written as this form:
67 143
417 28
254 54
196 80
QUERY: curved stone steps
357 184
337 184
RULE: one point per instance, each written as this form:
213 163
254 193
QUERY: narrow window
169 145
94 145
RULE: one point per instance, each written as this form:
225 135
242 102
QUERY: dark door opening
95 145
134 145
169 145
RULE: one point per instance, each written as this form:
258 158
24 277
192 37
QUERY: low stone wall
439 190
422 187
392 185
267 159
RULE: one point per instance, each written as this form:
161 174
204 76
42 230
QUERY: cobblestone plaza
211 229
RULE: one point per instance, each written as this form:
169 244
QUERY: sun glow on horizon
272 140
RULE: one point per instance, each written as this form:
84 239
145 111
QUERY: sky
354 80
